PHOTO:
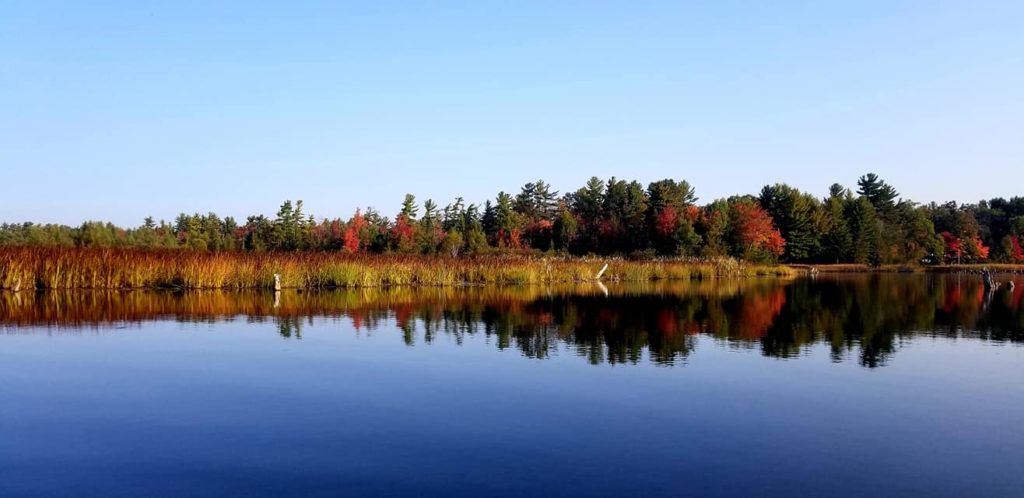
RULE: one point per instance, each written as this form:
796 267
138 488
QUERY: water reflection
861 317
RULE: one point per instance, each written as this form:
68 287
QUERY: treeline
869 225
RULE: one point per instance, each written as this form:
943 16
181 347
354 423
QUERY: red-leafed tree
515 239
666 221
512 239
351 240
977 249
403 235
967 250
754 234
952 246
1016 253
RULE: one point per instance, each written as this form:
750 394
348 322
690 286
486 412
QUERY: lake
867 385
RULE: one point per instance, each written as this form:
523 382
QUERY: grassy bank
855 268
78 268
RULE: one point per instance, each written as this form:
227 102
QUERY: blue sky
119 110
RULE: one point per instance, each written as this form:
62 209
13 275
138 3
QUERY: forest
870 224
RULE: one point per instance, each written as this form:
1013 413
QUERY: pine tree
409 208
865 231
489 221
430 232
837 243
507 222
587 204
670 231
794 215
881 195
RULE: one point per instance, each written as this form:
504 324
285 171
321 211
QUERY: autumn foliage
755 231
967 251
868 225
1016 253
351 239
25 268
666 223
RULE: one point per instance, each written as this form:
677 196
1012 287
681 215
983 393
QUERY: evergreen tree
713 228
625 210
489 221
794 214
409 208
545 200
453 217
506 222
430 232
670 226
587 203
525 203
476 239
470 217
864 228
881 195
837 243
288 227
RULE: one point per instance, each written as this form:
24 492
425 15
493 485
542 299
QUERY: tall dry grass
907 268
85 268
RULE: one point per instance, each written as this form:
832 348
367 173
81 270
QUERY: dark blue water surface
894 386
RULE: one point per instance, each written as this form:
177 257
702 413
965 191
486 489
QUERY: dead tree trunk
990 283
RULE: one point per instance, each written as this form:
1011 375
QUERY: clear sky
119 110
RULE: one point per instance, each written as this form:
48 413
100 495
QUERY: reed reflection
863 317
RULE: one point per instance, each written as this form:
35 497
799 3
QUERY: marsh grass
861 268
85 268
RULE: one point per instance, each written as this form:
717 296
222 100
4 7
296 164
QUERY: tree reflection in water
863 315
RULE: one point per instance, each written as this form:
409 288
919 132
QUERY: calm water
853 386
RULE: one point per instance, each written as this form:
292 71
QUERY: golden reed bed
85 268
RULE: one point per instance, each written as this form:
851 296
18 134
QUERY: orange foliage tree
754 233
960 250
1016 253
351 240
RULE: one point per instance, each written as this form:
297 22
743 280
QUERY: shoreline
23 269
86 268
996 268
